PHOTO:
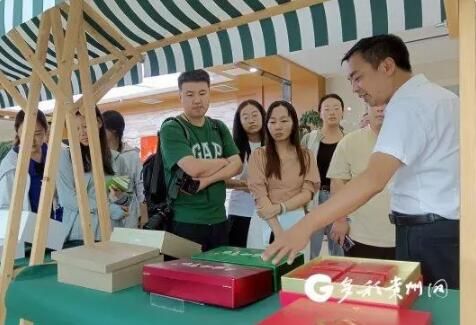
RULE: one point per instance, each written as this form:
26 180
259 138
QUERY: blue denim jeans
316 240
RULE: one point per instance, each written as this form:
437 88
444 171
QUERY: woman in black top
322 143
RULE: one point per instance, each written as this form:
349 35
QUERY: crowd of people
289 192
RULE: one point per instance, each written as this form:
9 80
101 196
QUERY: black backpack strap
182 125
154 180
216 125
172 186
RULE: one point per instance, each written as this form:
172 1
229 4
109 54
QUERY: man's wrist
342 220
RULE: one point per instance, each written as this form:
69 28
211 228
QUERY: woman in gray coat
115 125
8 165
66 188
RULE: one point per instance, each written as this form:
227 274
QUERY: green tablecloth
37 296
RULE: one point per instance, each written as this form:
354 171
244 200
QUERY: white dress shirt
421 129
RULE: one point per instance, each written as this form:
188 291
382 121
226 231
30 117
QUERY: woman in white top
248 134
115 125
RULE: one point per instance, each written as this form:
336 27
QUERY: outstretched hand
288 244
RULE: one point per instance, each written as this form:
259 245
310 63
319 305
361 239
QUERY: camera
186 183
160 217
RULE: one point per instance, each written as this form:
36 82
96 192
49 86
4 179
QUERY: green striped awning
329 23
16 12
145 21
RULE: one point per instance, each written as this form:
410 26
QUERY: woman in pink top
283 176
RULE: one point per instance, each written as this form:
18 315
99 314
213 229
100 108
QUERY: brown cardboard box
105 266
167 243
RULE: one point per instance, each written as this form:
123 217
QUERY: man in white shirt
418 146
369 228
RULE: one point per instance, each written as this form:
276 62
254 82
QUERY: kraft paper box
221 284
307 312
249 257
166 242
391 294
105 266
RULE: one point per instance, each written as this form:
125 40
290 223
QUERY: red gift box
387 270
287 298
307 312
306 272
333 265
362 278
212 283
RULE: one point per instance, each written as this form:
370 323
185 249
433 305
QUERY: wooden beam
467 77
89 106
104 42
110 79
92 62
108 28
9 88
29 55
65 56
234 22
79 181
72 130
452 17
57 32
130 50
19 185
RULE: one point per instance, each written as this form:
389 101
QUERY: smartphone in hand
348 243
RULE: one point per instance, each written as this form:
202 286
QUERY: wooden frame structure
67 45
71 51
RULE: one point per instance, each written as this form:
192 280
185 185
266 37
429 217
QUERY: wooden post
76 157
452 17
65 61
17 97
467 62
89 106
21 173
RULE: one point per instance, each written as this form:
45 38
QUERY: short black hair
199 75
377 48
335 96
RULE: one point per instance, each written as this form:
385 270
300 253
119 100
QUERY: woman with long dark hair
115 125
8 165
283 176
248 134
66 187
322 143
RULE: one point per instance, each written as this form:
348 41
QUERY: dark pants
435 246
367 251
209 236
239 227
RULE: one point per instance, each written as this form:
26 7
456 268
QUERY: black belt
401 219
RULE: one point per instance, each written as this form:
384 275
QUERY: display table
37 296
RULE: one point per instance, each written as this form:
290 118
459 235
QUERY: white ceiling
426 45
